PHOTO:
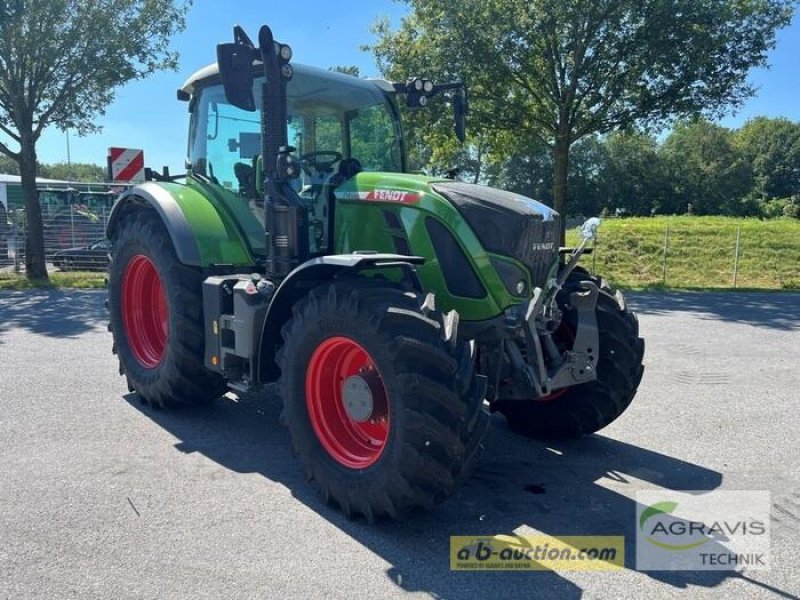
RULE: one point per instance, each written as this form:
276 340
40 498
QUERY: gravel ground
102 497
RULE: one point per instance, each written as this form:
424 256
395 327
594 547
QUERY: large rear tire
420 433
157 316
588 407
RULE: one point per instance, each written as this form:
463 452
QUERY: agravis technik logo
706 530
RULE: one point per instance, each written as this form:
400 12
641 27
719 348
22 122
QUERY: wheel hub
363 397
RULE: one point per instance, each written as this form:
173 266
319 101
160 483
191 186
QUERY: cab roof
210 73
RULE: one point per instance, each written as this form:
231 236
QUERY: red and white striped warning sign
126 164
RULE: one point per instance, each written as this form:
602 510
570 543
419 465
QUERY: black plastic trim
459 276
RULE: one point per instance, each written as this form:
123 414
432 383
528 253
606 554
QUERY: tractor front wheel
156 316
585 408
385 415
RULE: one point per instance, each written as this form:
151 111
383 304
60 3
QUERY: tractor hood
508 224
505 223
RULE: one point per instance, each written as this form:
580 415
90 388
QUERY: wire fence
700 254
685 252
74 237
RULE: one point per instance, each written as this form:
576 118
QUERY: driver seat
348 167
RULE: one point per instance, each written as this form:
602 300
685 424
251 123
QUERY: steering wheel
320 161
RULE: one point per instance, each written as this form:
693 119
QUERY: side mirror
235 63
460 110
589 229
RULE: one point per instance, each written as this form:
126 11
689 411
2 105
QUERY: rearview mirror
235 63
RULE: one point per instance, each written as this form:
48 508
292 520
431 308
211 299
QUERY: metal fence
761 254
68 227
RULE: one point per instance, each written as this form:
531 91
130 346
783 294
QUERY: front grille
508 224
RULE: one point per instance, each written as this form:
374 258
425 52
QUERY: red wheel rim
144 311
356 445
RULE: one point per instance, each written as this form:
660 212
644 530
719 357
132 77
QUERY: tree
566 69
60 62
773 148
635 175
707 167
84 172
8 166
347 70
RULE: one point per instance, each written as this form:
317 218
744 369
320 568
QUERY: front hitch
579 364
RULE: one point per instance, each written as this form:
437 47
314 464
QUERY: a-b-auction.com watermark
703 530
536 553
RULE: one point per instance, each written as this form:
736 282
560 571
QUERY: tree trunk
561 159
35 267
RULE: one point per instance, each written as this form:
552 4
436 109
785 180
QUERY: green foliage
699 169
73 279
8 165
781 207
773 148
61 60
635 175
83 172
347 70
60 64
562 70
80 172
707 168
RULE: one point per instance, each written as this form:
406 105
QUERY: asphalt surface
102 497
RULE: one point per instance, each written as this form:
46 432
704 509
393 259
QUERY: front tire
585 408
156 316
420 432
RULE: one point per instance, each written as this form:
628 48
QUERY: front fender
201 232
306 277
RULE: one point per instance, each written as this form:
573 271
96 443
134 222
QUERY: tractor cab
338 125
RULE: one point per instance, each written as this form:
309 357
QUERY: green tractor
393 310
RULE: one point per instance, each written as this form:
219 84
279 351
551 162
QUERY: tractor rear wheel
385 415
156 316
585 408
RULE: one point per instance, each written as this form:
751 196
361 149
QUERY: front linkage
544 368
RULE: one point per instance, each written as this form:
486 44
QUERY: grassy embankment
630 253
701 251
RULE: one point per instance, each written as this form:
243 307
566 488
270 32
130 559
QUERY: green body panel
361 225
217 227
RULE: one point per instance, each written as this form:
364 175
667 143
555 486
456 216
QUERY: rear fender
201 233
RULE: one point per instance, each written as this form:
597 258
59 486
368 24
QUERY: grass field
77 279
630 253
701 252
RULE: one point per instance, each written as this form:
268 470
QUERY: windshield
326 114
330 118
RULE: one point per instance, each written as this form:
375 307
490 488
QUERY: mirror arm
240 36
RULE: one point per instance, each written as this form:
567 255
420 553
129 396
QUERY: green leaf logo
661 508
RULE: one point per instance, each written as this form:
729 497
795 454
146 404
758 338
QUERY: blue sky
146 114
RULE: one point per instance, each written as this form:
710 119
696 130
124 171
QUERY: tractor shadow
556 489
762 309
53 313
